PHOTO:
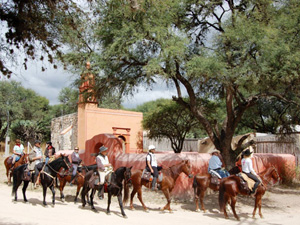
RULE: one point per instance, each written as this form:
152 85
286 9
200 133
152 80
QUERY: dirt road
280 206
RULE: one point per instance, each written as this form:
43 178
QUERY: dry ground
280 206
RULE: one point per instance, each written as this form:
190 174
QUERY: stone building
75 129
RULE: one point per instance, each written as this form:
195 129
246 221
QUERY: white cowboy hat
151 147
215 151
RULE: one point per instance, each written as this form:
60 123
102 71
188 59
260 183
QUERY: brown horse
167 184
202 182
8 164
65 176
230 187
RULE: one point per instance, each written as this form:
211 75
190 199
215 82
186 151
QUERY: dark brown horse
115 188
8 164
230 187
202 182
167 184
65 176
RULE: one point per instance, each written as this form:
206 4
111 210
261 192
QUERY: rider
17 152
247 168
75 163
104 168
216 164
38 159
49 152
151 165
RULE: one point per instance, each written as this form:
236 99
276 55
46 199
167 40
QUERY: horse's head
127 176
275 175
65 162
186 168
26 158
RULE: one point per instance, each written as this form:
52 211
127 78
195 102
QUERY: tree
36 29
68 97
171 121
28 112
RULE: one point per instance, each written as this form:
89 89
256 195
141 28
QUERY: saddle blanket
249 181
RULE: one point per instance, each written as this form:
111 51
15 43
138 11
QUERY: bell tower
87 101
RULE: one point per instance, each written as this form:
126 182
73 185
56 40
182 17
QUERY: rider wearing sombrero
216 165
247 168
104 167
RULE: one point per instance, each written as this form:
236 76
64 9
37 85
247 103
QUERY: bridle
267 180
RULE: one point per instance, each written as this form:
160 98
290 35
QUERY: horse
167 184
113 189
230 187
48 175
202 182
8 164
65 177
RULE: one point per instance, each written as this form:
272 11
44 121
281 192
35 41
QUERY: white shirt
152 159
18 149
247 166
104 161
38 153
214 163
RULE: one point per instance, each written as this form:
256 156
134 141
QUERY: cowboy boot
154 184
72 178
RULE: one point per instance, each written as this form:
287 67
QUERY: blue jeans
223 173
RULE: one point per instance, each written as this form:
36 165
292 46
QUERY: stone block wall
64 131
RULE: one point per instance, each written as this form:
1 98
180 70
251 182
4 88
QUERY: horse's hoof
197 210
63 200
125 217
108 213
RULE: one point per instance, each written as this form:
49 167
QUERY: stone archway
92 146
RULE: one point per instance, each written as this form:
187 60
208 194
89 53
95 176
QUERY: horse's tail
126 193
222 202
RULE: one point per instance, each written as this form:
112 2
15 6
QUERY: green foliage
25 111
169 120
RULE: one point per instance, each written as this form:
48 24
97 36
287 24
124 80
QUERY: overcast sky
50 82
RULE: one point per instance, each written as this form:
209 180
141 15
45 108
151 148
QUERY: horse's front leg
257 204
62 184
24 190
108 203
53 194
167 195
92 198
121 205
77 193
44 194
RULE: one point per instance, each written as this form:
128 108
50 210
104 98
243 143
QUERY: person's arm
251 167
149 165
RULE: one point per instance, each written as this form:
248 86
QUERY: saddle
94 180
214 179
146 175
27 175
9 160
247 183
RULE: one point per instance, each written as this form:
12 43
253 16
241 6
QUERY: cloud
48 83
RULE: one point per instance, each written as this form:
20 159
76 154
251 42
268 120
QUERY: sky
49 83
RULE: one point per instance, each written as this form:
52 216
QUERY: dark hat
49 143
102 149
37 141
247 152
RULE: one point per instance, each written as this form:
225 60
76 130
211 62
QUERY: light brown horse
167 184
230 187
202 182
8 164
